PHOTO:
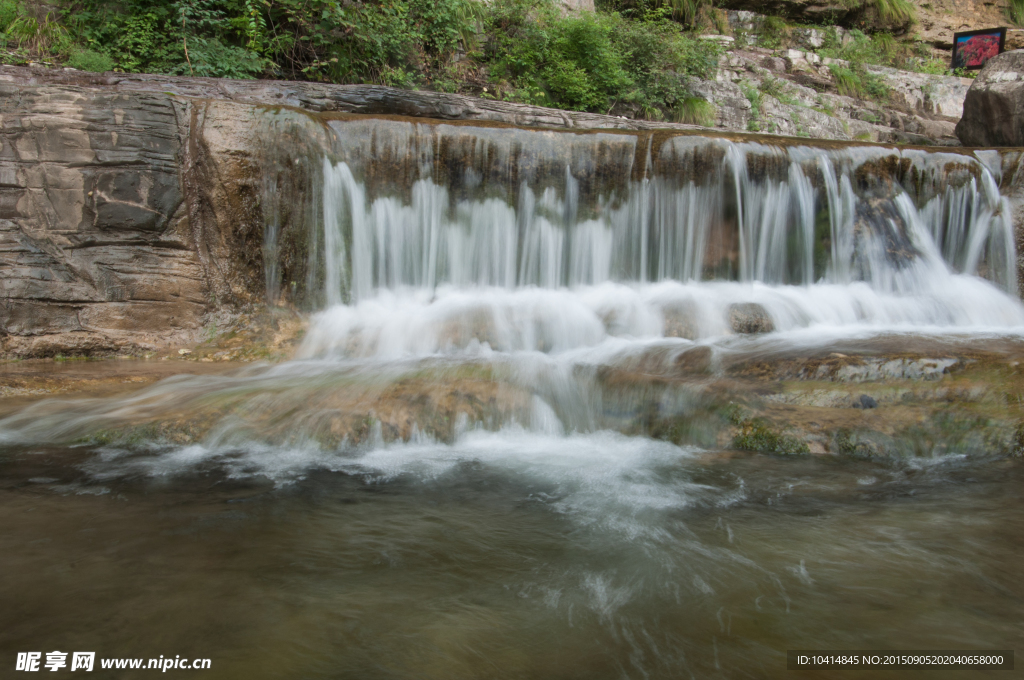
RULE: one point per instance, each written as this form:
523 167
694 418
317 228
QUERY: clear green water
506 555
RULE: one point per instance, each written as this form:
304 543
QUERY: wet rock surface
899 405
750 318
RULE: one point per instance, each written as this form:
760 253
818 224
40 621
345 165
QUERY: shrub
9 11
584 70
773 33
858 82
595 62
690 13
43 36
88 60
753 95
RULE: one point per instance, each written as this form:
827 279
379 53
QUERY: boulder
750 318
994 107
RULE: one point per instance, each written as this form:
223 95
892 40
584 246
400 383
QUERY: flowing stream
326 524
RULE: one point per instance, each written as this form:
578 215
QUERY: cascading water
480 229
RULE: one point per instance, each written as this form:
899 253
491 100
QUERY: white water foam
418 323
600 477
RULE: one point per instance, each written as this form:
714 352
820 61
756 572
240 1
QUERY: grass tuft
695 111
1015 12
895 11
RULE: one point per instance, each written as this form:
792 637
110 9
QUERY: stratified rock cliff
124 216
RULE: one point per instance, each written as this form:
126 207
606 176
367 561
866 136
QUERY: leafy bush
882 49
9 11
593 62
691 13
584 70
753 96
587 61
88 60
695 111
43 36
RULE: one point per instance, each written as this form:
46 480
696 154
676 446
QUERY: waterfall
498 236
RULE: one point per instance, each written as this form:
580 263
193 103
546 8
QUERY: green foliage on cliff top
593 62
602 62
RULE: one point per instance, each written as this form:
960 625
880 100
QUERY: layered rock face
94 230
994 107
125 217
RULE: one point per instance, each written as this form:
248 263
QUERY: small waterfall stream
481 228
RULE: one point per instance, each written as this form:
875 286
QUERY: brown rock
994 107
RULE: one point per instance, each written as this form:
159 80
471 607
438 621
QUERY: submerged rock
865 401
750 318
681 320
695 360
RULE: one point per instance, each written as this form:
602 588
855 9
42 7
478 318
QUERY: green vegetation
28 35
633 58
634 62
858 82
753 96
774 87
1015 12
757 435
882 49
895 11
693 14
696 111
773 33
595 62
88 60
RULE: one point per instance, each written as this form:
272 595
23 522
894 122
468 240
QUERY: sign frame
957 54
